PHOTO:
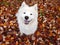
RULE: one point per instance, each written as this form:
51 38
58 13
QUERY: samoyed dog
27 17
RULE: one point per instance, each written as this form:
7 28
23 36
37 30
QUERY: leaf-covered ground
48 32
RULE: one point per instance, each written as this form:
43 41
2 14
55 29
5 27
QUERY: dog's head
27 13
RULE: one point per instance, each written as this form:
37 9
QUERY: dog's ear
23 4
35 7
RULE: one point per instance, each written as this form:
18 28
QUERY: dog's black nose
26 17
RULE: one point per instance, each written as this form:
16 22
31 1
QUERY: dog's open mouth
26 21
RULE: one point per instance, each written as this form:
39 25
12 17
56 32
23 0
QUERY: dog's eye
31 14
24 12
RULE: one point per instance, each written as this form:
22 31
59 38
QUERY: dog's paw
21 34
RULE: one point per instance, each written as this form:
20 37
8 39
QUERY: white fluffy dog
27 17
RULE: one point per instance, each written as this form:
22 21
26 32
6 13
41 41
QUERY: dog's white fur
31 27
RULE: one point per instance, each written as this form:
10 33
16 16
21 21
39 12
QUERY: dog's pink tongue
26 22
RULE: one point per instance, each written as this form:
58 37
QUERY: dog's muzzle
26 21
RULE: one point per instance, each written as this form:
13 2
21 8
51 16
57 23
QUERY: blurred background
48 32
